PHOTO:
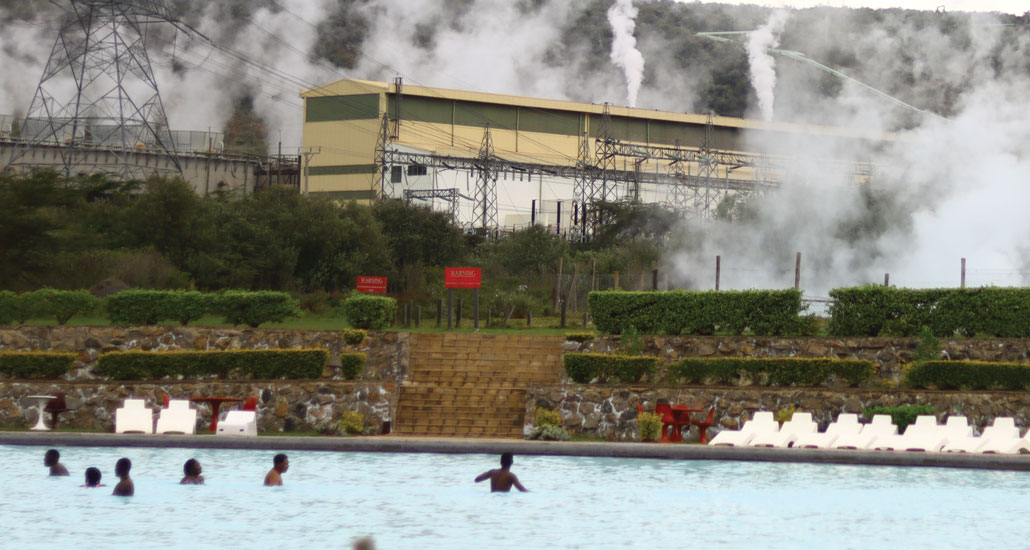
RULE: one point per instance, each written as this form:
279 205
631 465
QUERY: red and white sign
371 284
462 277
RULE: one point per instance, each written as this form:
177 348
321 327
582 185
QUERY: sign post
462 277
371 284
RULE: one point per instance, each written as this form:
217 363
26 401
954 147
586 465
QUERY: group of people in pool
501 479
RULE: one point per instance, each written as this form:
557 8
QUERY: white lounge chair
178 418
238 423
762 422
1004 439
923 435
1003 428
846 424
955 429
134 417
882 426
799 424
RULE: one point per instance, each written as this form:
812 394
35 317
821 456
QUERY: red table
681 414
216 403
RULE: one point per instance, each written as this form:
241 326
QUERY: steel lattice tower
484 214
98 93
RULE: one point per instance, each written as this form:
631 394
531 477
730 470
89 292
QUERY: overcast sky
1018 7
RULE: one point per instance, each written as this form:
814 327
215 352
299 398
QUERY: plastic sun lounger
761 422
882 426
134 417
178 418
1003 428
846 424
1003 440
238 423
799 424
924 435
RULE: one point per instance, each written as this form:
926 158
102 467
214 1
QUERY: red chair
250 404
664 410
56 407
703 427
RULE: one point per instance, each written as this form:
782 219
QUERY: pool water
429 501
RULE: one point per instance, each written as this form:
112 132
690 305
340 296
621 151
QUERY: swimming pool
428 501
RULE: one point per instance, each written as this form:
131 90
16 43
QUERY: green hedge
369 312
35 364
241 307
148 307
352 365
968 375
884 311
763 312
584 368
60 304
902 415
257 364
8 303
779 371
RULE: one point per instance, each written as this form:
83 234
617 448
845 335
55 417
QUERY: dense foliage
352 365
884 311
763 312
248 364
585 368
369 312
254 308
35 364
148 307
902 415
968 375
778 371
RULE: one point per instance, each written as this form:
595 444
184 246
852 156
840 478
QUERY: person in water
125 488
93 477
192 471
52 460
279 466
502 479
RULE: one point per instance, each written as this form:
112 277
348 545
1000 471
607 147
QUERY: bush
369 312
929 348
630 341
256 364
650 426
968 375
148 307
550 433
779 371
186 306
877 310
63 304
352 365
352 422
241 307
35 364
580 336
28 305
902 415
7 304
353 336
584 368
763 312
548 417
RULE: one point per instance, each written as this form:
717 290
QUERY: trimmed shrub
186 306
369 312
650 426
241 307
778 371
585 368
136 307
63 304
352 365
897 312
763 312
353 336
902 415
257 364
968 375
352 422
548 417
35 364
8 301
580 336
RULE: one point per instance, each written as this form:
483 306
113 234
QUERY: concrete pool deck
400 444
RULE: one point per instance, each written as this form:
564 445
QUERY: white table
40 425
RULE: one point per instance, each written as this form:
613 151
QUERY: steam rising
763 66
622 17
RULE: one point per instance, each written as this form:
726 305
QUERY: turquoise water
429 501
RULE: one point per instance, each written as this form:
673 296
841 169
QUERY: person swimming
192 470
501 480
279 466
125 488
93 478
52 460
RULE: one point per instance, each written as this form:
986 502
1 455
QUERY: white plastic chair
846 424
1003 439
882 426
762 422
923 435
799 424
1002 429
238 423
134 417
178 418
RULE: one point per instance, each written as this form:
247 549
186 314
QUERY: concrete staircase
473 385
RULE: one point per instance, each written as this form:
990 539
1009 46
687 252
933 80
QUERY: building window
417 170
395 174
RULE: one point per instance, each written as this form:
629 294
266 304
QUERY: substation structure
390 140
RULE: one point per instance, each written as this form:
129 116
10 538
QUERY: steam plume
622 17
763 66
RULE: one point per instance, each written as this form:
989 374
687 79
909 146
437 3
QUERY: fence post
615 286
654 280
718 267
439 311
529 317
564 307
450 308
963 273
886 279
418 316
797 273
475 308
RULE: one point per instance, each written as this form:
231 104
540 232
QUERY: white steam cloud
622 17
763 66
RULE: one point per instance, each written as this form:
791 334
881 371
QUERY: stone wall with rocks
610 412
298 405
887 353
387 352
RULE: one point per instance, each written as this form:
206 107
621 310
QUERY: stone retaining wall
610 412
282 406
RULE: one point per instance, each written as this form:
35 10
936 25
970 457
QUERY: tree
418 238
